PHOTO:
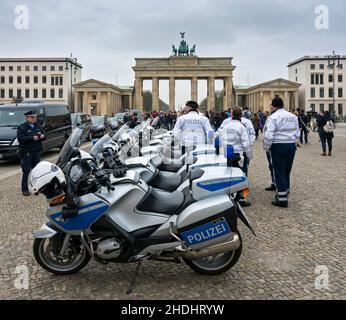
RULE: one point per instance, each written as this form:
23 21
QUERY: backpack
329 127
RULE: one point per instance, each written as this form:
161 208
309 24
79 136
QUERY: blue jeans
282 156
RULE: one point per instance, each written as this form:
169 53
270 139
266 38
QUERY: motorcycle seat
167 181
162 202
175 167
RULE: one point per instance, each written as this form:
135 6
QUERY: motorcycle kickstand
129 290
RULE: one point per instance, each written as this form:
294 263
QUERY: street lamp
71 61
334 61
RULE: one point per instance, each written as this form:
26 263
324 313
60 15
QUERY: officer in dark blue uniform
30 136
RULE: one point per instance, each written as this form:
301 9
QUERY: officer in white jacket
252 135
192 128
233 132
281 132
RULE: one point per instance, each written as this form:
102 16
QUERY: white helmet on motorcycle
43 175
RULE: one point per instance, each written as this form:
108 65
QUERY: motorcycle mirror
76 153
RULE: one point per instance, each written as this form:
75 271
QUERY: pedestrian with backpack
326 127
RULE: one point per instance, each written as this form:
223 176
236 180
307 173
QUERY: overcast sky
263 36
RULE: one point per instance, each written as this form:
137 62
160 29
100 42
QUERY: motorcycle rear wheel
50 262
215 265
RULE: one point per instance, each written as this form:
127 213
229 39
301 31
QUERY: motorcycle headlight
15 143
76 173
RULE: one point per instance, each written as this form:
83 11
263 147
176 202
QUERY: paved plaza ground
279 263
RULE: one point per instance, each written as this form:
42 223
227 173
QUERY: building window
35 93
321 92
322 107
27 93
61 81
52 93
10 79
19 80
312 66
93 97
340 92
296 79
322 66
10 93
35 79
27 79
2 68
52 81
61 68
2 79
35 68
312 107
330 78
321 79
10 68
19 68
44 93
2 93
27 68
44 68
340 66
52 68
340 109
331 108
330 93
56 81
296 71
312 93
340 78
19 93
44 79
312 79
61 93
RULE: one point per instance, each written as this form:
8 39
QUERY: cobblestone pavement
279 264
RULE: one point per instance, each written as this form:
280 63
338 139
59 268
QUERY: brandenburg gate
183 64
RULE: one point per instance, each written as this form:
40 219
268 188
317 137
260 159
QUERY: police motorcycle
96 215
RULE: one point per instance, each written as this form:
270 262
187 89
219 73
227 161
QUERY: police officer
192 128
234 133
252 135
280 134
30 136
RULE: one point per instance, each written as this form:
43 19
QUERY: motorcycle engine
108 249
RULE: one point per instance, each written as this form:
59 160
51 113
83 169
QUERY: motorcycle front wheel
218 264
74 259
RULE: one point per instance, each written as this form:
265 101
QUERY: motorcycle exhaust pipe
230 245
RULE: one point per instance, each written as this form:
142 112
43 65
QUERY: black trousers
304 134
28 161
271 168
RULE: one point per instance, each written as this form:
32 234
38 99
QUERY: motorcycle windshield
98 146
75 140
155 122
134 132
124 128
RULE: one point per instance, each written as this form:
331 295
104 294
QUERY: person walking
326 127
303 126
252 136
30 136
280 135
256 121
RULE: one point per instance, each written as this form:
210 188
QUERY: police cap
30 113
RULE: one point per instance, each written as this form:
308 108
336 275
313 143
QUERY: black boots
271 188
281 204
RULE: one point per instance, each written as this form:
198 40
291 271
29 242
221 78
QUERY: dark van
55 119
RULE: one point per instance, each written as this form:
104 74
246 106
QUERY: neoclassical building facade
96 97
259 97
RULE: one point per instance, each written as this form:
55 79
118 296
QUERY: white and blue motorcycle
93 214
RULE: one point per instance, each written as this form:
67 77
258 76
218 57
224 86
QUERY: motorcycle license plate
206 232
